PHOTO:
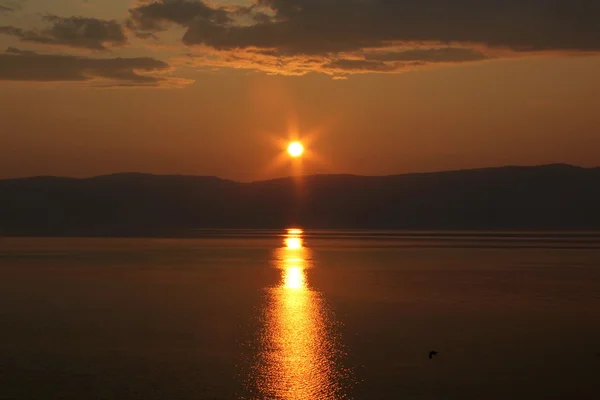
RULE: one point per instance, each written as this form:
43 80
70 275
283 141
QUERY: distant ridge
132 175
547 197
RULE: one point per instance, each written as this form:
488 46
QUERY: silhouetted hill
560 197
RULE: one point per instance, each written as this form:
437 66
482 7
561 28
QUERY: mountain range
548 197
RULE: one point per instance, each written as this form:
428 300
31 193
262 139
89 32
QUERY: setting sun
295 149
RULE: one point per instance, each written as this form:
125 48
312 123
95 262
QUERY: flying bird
432 353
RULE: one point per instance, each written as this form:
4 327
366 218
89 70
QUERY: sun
295 149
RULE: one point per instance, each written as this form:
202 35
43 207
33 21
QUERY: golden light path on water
300 347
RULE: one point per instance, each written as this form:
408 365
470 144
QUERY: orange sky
216 111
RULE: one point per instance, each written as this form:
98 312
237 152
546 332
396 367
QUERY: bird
433 353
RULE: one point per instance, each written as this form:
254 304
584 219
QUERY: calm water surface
301 315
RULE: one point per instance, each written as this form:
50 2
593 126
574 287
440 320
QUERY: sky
372 87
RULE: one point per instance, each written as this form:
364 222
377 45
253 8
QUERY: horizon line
131 173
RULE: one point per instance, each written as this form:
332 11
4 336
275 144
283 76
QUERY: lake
247 314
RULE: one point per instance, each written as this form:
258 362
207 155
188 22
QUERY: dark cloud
89 33
11 30
331 26
344 65
13 50
18 65
262 18
10 6
156 15
434 55
145 35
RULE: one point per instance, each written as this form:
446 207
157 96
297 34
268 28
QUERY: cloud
326 26
11 30
10 6
431 55
14 50
156 15
340 37
19 65
145 35
294 37
79 32
349 65
336 65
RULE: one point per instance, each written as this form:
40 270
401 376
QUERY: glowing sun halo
295 149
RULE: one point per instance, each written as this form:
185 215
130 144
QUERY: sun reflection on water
293 243
294 278
300 348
